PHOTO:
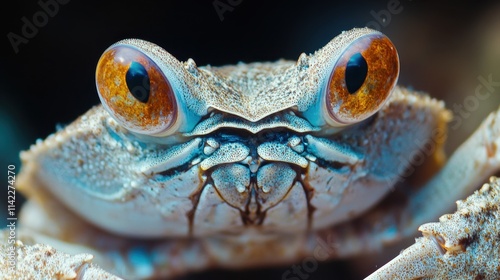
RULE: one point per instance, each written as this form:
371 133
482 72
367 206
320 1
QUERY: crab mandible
185 167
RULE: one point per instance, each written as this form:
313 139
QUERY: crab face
179 150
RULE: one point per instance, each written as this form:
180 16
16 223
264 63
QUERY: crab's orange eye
362 79
134 90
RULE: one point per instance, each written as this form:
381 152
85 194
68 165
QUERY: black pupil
138 81
355 72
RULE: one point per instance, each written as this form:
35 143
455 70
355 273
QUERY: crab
184 168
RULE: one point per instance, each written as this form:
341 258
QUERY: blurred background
48 80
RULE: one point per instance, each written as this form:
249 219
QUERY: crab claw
44 262
463 245
415 262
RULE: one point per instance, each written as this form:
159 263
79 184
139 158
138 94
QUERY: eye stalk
362 80
135 91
